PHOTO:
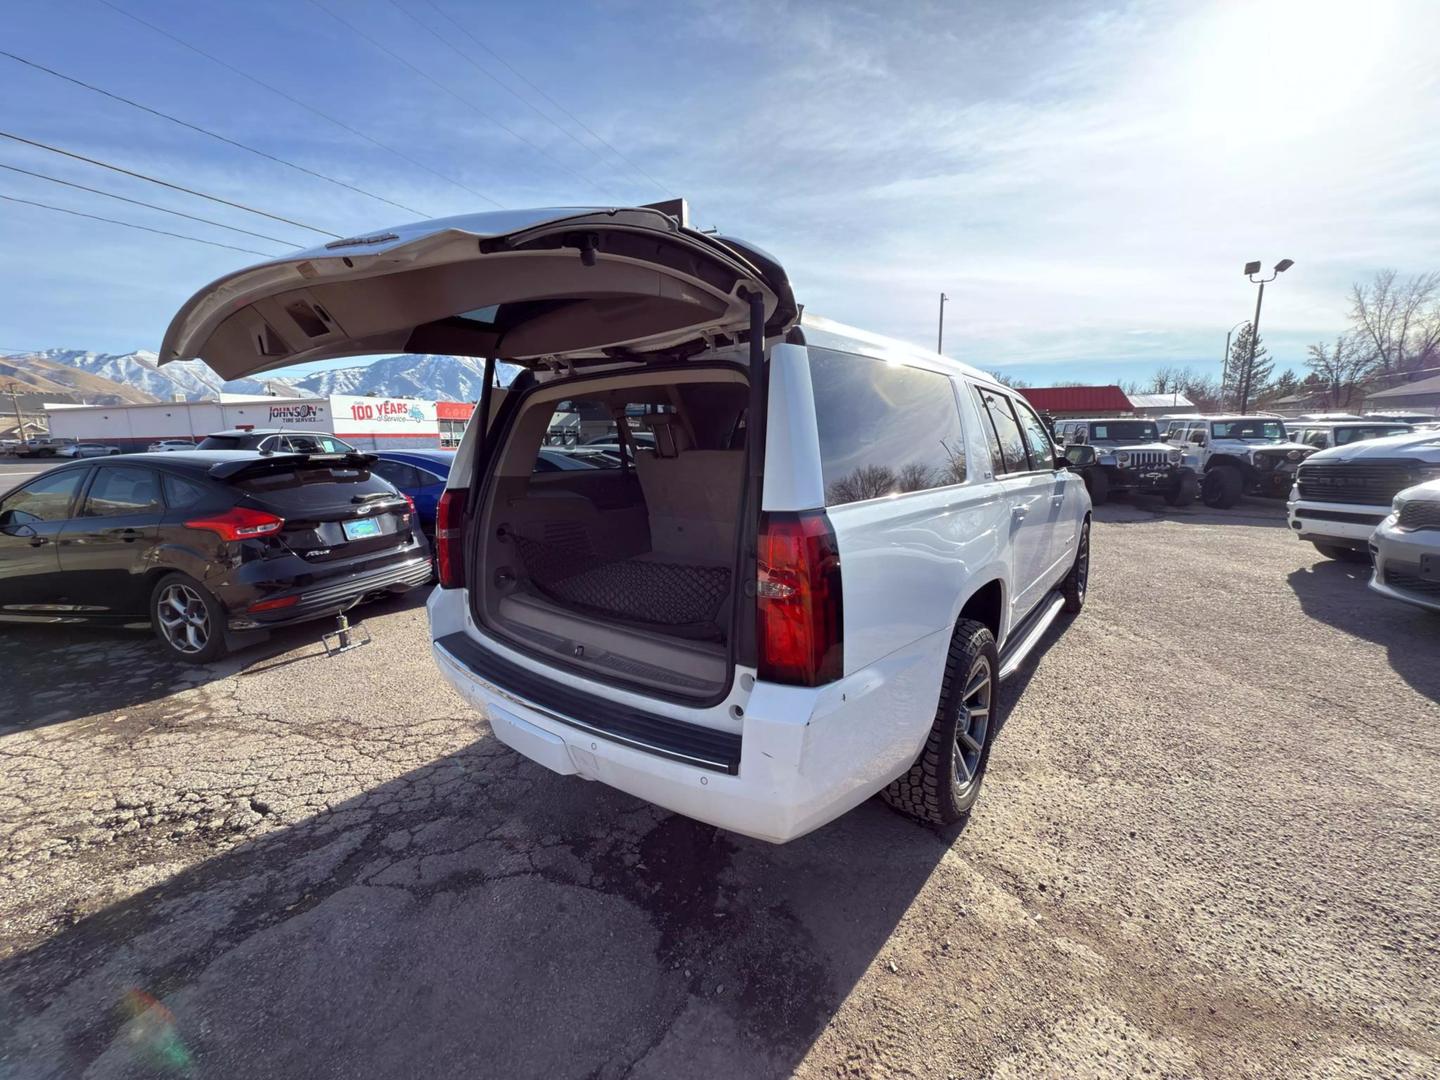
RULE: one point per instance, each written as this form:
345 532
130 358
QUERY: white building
367 423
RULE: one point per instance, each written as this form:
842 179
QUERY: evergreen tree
1246 380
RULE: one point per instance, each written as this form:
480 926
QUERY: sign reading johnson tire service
384 423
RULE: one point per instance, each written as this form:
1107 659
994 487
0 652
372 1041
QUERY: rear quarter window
885 429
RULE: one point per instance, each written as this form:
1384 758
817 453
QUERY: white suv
796 582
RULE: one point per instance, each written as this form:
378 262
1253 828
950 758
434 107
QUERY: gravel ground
1207 847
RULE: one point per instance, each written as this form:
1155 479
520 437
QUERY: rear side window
181 494
1010 439
46 499
884 429
123 491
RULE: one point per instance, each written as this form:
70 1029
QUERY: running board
1032 630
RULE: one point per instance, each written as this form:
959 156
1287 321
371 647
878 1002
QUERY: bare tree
1342 367
916 476
866 482
1399 321
1009 380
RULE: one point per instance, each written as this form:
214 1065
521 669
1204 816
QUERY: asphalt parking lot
1207 846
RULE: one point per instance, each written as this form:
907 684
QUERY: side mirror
19 530
1080 456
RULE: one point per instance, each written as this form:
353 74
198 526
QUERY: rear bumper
1397 555
803 756
1342 524
332 595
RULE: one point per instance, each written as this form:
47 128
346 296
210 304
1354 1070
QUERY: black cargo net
637 590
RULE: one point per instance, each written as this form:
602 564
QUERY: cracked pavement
1206 846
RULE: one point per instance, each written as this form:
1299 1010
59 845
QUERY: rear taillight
799 631
450 538
411 501
239 523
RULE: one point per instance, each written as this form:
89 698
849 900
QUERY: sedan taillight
450 538
239 523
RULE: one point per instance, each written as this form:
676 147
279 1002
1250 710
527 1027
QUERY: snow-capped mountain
437 378
191 380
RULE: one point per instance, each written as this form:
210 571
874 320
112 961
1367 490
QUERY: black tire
1222 487
1098 484
187 619
1077 581
1341 553
943 785
1185 492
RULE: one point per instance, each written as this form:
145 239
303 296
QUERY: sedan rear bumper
330 596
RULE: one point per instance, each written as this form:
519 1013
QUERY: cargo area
609 541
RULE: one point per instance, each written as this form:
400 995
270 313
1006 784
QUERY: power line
165 183
458 97
214 135
511 68
151 206
503 86
142 228
297 102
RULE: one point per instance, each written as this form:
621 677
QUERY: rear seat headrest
671 438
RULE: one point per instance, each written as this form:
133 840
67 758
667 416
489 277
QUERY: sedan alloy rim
184 619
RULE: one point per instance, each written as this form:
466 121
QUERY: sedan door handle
127 534
38 541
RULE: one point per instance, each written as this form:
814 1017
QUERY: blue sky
1083 180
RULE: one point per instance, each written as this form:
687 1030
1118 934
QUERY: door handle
1018 512
37 541
127 534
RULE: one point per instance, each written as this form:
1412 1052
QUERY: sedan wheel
188 620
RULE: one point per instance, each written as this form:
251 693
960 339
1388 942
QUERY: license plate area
360 528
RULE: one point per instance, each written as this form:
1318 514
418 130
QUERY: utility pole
19 418
1251 269
940 335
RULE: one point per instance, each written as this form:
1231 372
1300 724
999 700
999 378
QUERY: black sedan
202 542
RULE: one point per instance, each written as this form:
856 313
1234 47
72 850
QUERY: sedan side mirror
18 529
1080 456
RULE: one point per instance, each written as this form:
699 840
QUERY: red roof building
1078 400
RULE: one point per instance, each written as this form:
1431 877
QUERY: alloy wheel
184 618
1082 563
973 724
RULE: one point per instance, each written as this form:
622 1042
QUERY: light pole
940 334
1225 361
1251 269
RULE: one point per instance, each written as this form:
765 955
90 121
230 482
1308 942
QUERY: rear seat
693 496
